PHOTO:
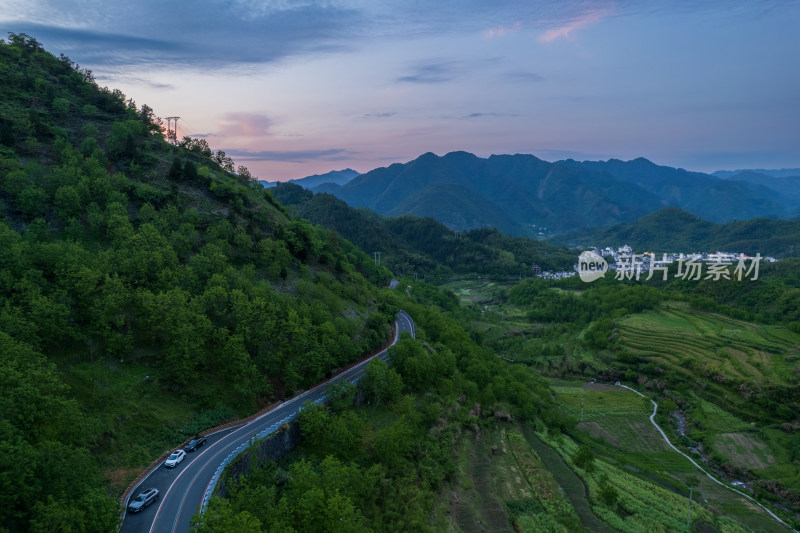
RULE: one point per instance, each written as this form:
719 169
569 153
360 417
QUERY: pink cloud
587 18
501 31
244 125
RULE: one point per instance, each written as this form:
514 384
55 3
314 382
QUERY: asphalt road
182 488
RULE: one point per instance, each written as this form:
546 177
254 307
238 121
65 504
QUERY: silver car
145 498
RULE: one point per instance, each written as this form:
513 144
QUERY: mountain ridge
521 194
334 177
775 173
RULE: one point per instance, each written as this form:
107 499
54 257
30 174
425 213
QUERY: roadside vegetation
393 454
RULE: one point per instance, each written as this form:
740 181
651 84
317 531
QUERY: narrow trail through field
712 478
573 486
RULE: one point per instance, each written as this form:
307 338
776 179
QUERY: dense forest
132 271
410 245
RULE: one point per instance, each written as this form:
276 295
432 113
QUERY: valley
680 357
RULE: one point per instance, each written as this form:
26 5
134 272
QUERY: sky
294 88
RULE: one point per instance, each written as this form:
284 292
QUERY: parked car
145 498
195 443
175 458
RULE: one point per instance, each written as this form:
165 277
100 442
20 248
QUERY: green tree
584 458
381 382
220 517
608 495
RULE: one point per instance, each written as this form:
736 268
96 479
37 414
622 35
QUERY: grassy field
595 400
477 291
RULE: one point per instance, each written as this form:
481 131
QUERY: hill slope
147 293
701 194
787 189
674 230
775 173
410 245
529 191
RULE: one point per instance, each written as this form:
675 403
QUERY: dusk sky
292 88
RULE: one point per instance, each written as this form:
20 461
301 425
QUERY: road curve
182 488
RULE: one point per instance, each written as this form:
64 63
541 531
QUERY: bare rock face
502 415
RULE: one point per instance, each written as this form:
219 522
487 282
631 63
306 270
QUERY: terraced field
721 365
476 291
717 347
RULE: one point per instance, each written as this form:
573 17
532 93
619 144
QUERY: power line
172 134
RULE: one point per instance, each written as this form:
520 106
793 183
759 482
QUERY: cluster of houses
623 257
623 260
549 274
625 254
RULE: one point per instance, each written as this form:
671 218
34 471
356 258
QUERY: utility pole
377 257
172 133
689 516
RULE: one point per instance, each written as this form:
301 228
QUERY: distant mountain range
783 184
674 230
524 195
334 177
775 173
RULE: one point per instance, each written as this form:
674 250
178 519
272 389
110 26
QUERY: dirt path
573 486
712 478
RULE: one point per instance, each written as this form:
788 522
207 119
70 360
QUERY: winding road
184 488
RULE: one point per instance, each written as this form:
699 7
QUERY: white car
176 457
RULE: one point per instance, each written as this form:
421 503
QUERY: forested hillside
672 230
410 244
147 291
